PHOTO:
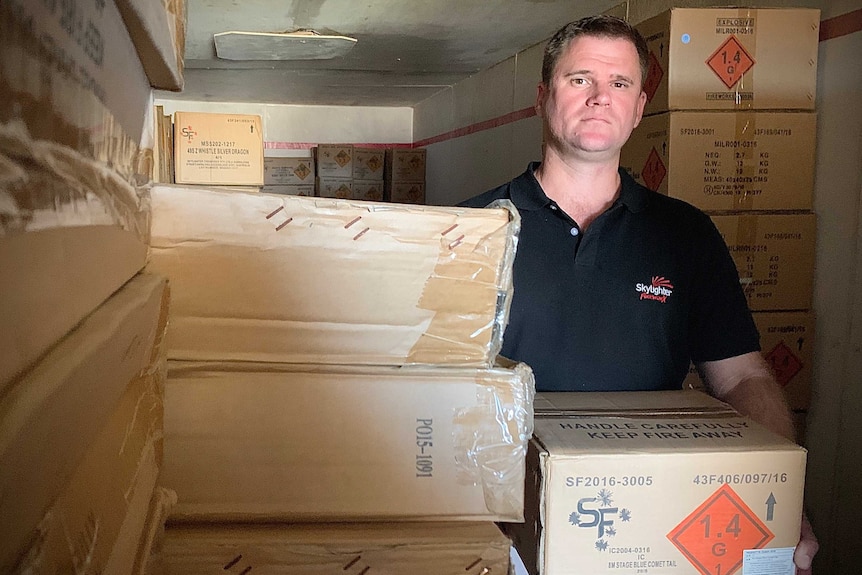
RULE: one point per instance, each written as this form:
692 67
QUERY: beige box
221 149
732 59
99 519
334 160
324 549
77 83
288 171
307 190
158 30
73 232
623 489
259 277
787 345
406 192
727 160
246 441
369 191
50 418
405 165
368 164
774 255
341 188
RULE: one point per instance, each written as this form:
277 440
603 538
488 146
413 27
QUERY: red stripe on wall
841 25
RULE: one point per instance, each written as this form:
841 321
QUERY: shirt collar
527 193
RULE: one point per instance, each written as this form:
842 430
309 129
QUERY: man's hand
806 549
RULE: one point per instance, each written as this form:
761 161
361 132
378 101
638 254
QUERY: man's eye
579 81
620 85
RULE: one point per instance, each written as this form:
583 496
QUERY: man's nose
599 95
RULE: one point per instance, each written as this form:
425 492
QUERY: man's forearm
762 399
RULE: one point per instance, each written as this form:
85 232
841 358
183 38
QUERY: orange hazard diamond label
784 363
653 77
730 61
342 158
716 534
302 171
654 171
374 163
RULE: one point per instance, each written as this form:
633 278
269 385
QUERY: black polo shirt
627 304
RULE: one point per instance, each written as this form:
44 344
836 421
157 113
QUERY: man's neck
583 190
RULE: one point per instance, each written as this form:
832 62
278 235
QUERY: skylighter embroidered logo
658 289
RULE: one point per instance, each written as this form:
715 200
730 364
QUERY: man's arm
746 383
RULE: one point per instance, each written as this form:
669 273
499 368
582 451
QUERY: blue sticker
685 38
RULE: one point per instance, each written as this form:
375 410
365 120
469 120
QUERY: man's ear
541 93
640 108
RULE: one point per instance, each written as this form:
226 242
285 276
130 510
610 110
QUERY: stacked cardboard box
349 172
335 361
657 482
405 175
291 176
82 365
730 128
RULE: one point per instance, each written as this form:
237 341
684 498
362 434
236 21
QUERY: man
617 287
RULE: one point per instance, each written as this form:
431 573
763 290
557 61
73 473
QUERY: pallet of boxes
730 127
82 362
349 172
334 402
678 482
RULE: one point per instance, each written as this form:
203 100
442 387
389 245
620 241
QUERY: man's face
594 100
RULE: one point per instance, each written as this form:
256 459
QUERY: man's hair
601 26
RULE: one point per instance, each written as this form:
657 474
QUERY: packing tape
745 158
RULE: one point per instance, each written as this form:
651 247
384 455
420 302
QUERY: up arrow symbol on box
770 506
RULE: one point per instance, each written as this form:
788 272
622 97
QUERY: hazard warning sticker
654 171
653 77
715 536
730 62
784 363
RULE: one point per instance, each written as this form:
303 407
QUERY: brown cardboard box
787 344
405 165
618 492
368 164
259 277
727 160
341 188
50 418
99 518
221 149
291 190
732 59
369 191
774 255
73 233
85 91
406 193
246 441
288 171
158 30
324 549
334 160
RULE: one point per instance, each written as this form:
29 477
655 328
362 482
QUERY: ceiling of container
407 50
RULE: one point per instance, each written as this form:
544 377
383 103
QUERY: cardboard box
158 30
246 441
406 193
291 190
368 164
51 417
99 518
368 191
324 549
405 165
222 149
774 255
84 90
787 345
727 160
288 171
73 233
258 277
732 59
686 492
334 160
341 188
